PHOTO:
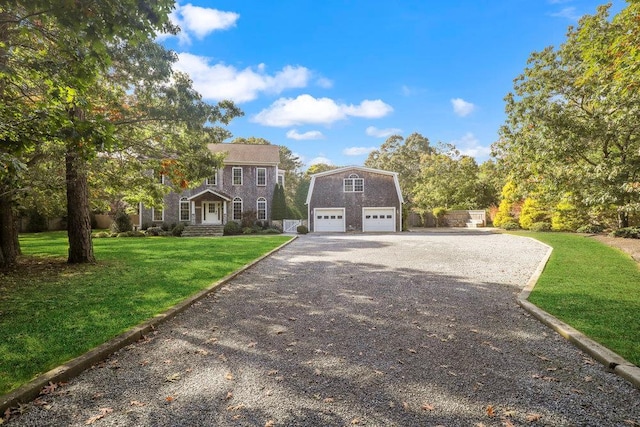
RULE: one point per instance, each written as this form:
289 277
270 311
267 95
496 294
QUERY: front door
212 212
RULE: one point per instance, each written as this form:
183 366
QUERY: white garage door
378 219
326 220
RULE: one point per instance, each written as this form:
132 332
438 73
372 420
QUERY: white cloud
461 107
199 21
570 13
320 159
305 109
220 81
382 133
357 151
324 82
312 134
469 145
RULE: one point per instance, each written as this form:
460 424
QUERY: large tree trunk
9 244
78 219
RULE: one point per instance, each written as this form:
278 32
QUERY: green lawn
51 312
594 288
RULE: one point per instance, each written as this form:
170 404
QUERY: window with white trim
237 176
281 179
261 177
262 208
213 179
157 214
237 209
185 212
353 184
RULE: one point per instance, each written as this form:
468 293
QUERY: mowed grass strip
594 288
51 312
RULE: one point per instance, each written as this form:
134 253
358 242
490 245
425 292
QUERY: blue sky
333 79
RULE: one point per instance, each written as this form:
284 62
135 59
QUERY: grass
51 312
594 288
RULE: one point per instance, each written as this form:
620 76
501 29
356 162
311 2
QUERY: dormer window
353 184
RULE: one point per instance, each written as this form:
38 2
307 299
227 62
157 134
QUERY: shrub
627 233
145 225
440 213
249 218
165 226
137 233
567 217
510 225
153 231
121 222
248 230
101 235
532 212
540 226
270 231
590 229
178 229
302 229
232 228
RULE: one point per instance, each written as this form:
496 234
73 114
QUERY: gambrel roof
355 168
248 154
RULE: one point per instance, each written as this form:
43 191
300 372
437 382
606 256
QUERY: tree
447 180
278 205
572 118
402 156
99 84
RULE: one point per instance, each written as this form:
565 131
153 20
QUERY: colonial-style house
355 198
245 183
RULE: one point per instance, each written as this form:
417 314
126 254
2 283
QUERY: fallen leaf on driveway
427 407
533 417
173 377
490 411
229 376
103 412
137 403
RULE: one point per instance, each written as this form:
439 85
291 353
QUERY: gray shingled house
245 183
355 198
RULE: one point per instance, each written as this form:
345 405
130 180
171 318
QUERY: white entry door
212 212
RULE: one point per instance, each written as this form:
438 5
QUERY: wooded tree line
570 146
89 102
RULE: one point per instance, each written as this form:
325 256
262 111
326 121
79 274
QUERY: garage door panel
329 220
378 219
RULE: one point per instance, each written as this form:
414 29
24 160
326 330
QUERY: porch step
203 230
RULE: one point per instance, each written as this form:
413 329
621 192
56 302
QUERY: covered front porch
208 207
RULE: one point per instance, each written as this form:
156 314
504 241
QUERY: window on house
213 179
237 176
185 213
157 214
160 178
262 208
353 184
261 176
237 209
281 179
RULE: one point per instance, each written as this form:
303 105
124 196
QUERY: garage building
355 198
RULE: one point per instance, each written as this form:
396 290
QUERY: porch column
224 212
193 213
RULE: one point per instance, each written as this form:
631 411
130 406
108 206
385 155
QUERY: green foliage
505 212
154 231
232 228
249 218
572 117
532 212
542 226
278 205
249 230
439 214
121 222
627 233
302 229
509 225
567 216
590 229
101 235
178 229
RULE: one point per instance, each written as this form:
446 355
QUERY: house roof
220 194
354 168
248 154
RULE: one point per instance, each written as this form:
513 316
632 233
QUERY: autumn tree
572 118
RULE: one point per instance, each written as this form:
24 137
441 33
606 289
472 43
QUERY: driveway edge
612 361
74 367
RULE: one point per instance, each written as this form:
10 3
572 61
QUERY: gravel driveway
412 329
